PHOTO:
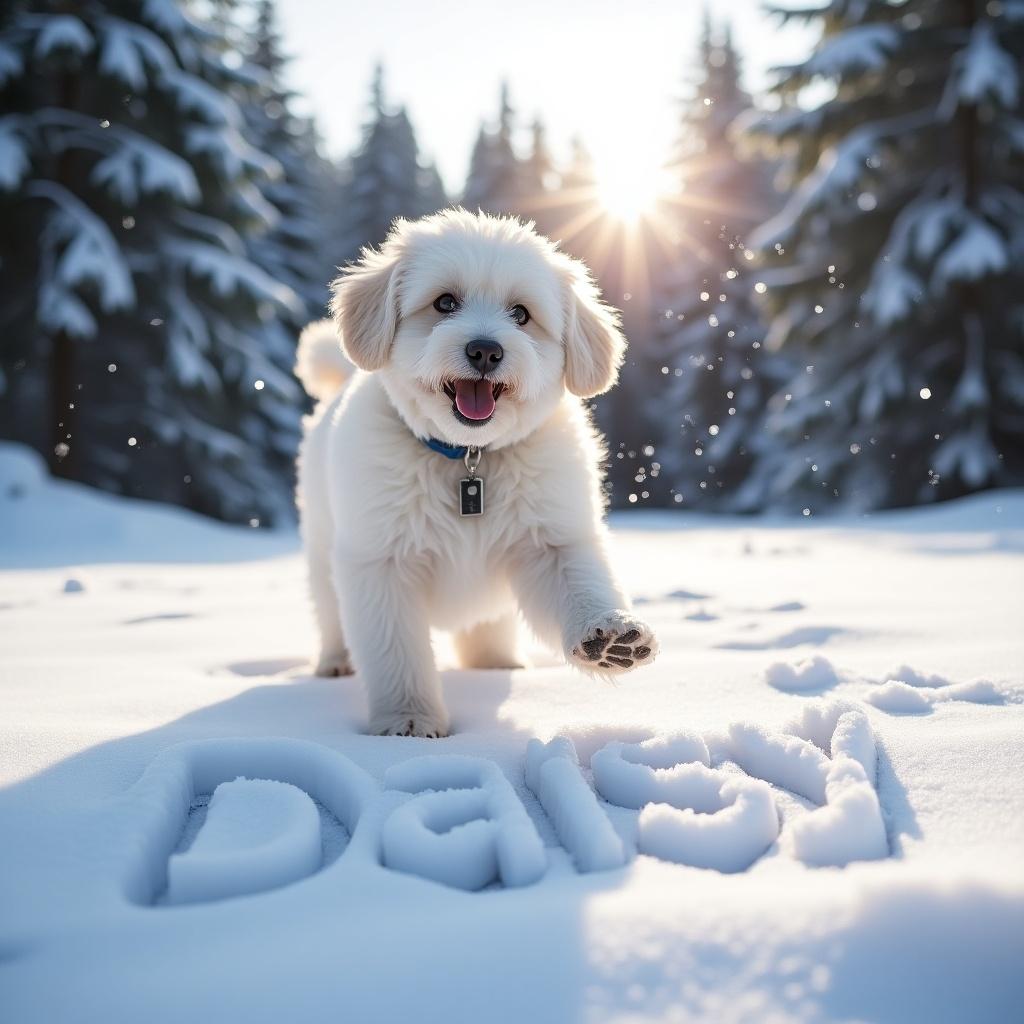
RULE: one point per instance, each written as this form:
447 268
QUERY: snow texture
553 774
467 830
124 705
813 673
258 835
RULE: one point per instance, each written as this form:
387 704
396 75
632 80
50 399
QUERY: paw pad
615 649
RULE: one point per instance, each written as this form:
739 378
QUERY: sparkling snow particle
926 393
259 385
112 368
254 523
61 450
678 498
132 442
731 274
632 499
760 287
648 450
807 511
866 201
704 296
854 448
664 369
713 430
819 309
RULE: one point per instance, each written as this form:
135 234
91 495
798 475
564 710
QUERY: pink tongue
474 398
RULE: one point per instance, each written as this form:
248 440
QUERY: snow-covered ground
829 693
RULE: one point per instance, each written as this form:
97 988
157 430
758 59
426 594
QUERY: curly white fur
389 555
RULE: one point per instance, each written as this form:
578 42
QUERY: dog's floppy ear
594 345
364 305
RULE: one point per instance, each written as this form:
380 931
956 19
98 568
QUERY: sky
609 71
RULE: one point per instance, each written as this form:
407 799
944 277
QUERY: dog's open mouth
473 401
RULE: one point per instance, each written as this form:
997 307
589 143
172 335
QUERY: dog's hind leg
489 644
333 658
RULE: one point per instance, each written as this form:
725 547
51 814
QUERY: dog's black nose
483 354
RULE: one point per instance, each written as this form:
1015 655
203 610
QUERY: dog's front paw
410 723
333 663
616 642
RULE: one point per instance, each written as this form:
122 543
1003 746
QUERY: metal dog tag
471 496
471 488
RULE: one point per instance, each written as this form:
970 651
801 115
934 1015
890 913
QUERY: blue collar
449 451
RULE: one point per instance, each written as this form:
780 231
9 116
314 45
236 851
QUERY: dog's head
477 325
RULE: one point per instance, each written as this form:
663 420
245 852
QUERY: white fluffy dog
454 482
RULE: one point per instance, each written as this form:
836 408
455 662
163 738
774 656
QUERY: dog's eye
520 314
446 303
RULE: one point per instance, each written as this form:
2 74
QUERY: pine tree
127 193
294 249
497 181
897 263
576 211
384 178
708 367
538 180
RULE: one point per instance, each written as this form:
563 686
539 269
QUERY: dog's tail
319 361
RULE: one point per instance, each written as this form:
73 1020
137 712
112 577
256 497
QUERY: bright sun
629 191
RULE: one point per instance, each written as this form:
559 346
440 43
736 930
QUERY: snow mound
912 677
22 471
827 755
35 510
908 691
899 697
553 774
814 673
258 835
466 828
